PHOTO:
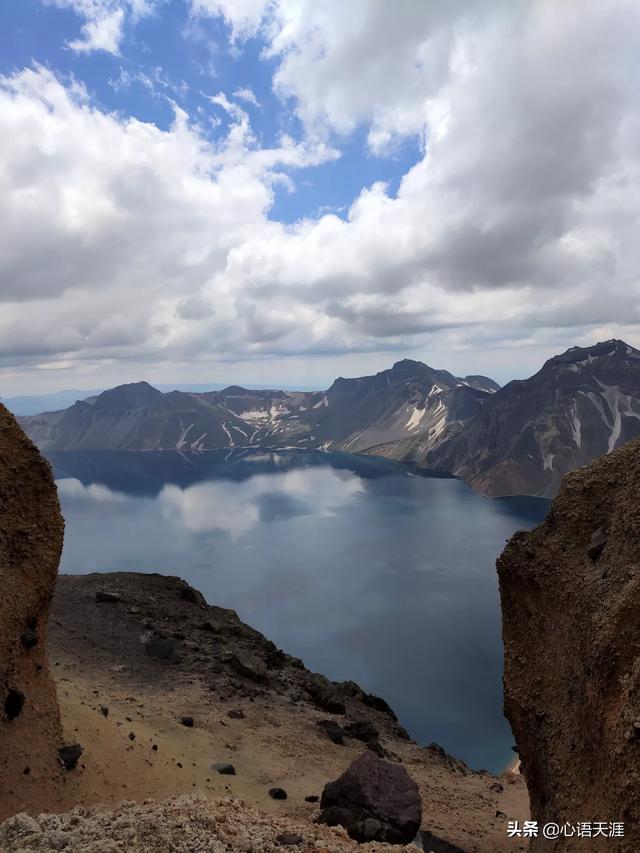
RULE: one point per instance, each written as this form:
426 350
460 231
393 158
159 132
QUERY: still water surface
361 567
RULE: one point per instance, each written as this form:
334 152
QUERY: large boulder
374 801
570 594
31 533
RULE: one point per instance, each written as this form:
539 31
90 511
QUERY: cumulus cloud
130 242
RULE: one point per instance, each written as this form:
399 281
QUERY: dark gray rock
379 704
106 596
432 844
13 704
29 639
69 755
289 839
187 721
334 732
224 768
236 714
362 730
193 596
161 648
374 801
249 666
277 793
325 696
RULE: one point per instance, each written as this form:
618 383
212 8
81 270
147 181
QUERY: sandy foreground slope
124 703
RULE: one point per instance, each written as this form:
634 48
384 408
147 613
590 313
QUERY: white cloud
243 16
517 225
245 93
104 21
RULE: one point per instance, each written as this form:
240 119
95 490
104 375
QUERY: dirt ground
124 707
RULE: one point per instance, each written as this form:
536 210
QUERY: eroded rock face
373 800
570 594
31 533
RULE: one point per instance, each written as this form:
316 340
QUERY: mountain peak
128 396
576 355
409 366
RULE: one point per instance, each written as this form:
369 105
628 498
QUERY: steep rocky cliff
571 625
530 433
31 531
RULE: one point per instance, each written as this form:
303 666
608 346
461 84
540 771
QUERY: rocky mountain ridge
520 439
352 415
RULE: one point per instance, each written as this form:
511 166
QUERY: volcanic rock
571 629
224 768
362 730
374 801
277 794
334 732
248 666
70 755
31 531
107 596
161 649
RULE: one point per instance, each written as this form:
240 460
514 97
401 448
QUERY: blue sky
282 191
185 61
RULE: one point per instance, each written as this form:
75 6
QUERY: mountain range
519 439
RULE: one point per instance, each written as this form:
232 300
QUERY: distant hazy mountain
519 439
407 401
31 404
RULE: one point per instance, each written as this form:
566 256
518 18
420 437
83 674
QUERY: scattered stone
432 844
13 704
289 839
248 665
374 801
29 639
362 730
497 787
376 747
501 815
312 798
161 649
324 695
277 793
104 710
335 732
224 769
236 714
69 755
187 721
132 735
210 627
106 596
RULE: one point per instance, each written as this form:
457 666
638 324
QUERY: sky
284 191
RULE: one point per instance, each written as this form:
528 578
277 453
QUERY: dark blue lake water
361 567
